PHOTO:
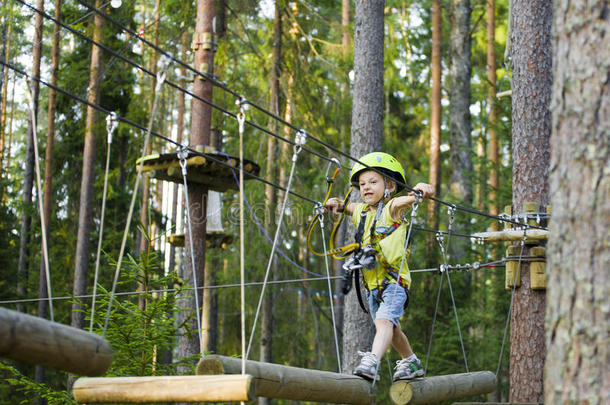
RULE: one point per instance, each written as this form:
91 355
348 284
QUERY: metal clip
330 179
299 141
112 122
162 65
183 154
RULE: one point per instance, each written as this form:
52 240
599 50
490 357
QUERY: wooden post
299 384
442 388
513 235
190 388
35 340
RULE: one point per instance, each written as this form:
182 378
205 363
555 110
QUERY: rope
445 252
438 299
512 298
160 80
320 211
45 248
182 155
241 118
300 139
111 125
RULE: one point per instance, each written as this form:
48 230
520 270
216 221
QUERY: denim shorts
392 304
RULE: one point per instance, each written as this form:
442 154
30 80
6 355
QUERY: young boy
386 281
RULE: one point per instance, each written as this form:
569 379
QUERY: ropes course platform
36 340
212 240
191 388
298 384
513 235
204 169
442 388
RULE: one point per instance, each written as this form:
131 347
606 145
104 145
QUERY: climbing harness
45 246
183 155
161 75
112 123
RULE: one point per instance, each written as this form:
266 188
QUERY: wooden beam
512 235
35 340
298 384
442 388
190 388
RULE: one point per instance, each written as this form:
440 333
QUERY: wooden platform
39 341
212 240
191 388
203 169
298 384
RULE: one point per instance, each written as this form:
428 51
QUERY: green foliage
29 389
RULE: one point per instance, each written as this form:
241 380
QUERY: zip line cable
223 86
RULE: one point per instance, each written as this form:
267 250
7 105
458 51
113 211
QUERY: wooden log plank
442 388
298 384
35 340
512 235
190 388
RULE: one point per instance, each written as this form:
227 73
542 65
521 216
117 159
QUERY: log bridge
285 382
36 340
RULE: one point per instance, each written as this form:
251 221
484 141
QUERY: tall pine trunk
459 113
201 118
28 174
267 318
88 175
367 133
578 314
494 160
435 114
531 123
48 173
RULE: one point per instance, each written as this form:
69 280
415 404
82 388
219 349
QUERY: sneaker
368 366
407 370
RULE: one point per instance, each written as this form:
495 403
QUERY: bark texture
81 266
531 120
201 117
367 132
435 107
578 253
459 100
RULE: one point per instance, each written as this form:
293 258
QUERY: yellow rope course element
340 252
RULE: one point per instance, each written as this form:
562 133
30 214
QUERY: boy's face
372 186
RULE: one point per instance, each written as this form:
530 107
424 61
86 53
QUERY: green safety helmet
384 163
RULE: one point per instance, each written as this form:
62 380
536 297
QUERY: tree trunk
531 123
435 107
28 175
459 100
271 200
4 101
201 118
459 111
578 251
48 173
494 160
367 133
86 194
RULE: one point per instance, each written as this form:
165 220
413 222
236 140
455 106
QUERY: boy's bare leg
400 342
383 337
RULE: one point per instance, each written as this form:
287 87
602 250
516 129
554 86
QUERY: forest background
315 95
